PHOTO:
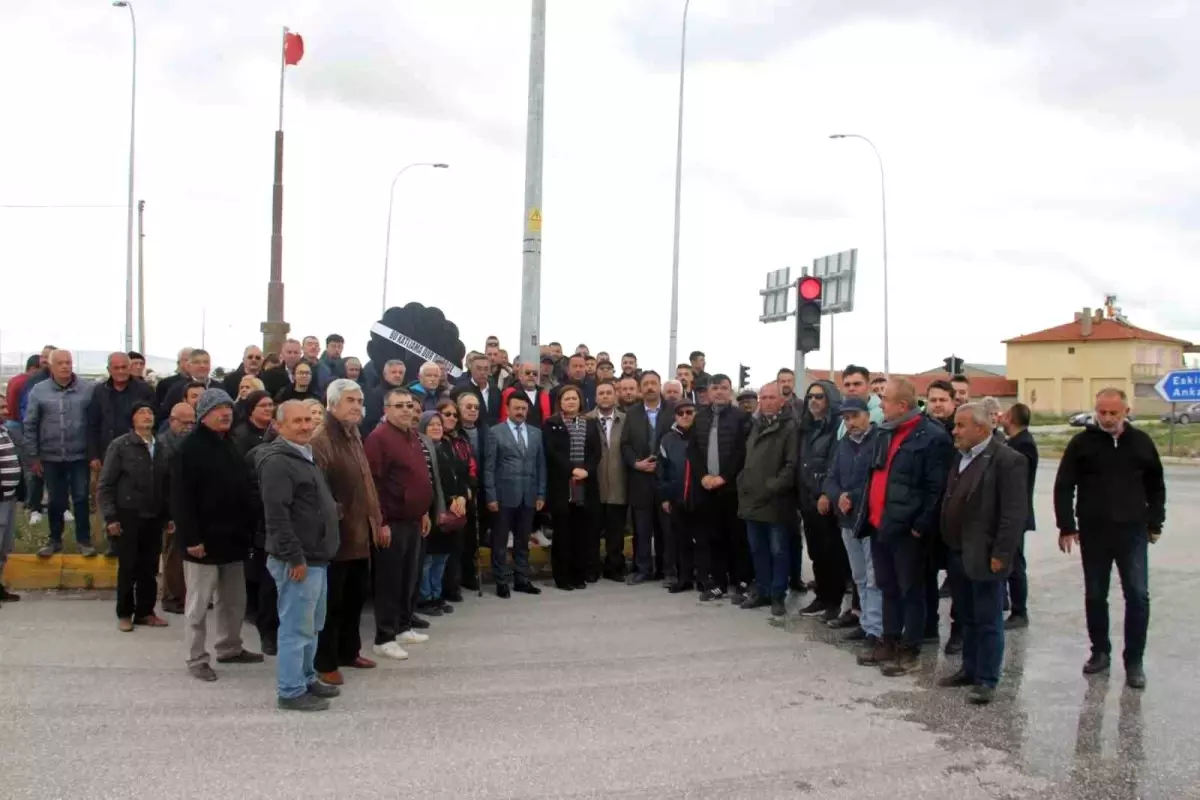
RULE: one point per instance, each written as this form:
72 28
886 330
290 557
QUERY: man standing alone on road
301 520
1120 509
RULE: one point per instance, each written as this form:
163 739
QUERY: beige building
1060 370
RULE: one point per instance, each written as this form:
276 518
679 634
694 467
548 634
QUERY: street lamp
678 188
883 202
387 248
129 213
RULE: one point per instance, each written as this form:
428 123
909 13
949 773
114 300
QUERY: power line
55 205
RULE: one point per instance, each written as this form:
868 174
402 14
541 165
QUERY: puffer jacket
56 420
678 479
766 485
818 440
850 473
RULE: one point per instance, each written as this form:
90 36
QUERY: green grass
1038 418
30 538
1187 440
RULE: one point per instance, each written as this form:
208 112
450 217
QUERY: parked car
1084 418
1184 414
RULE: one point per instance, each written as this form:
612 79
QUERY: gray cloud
1118 59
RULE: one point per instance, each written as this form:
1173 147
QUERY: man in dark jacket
645 424
166 446
766 494
818 440
983 516
129 492
1120 509
678 483
845 495
478 380
908 474
393 378
164 386
1016 428
722 551
301 522
252 363
212 507
110 411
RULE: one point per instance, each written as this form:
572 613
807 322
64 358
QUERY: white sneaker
540 539
412 637
510 541
390 650
68 516
35 518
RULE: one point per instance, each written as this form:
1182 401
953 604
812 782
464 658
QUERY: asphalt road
615 692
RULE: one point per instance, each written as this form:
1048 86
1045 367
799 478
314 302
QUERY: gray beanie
210 400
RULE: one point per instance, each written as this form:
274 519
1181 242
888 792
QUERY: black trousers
650 526
609 524
684 525
831 567
722 549
569 549
339 641
936 561
397 580
462 568
138 548
266 617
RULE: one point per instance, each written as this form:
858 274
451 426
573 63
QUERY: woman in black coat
450 502
572 445
303 385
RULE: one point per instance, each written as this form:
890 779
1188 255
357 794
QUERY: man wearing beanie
130 495
213 508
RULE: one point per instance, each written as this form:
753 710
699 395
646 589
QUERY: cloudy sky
1039 153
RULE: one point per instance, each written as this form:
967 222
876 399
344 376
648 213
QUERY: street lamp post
129 214
678 190
387 248
883 203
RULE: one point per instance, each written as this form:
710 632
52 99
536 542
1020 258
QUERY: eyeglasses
402 405
450 414
813 397
254 358
685 412
469 407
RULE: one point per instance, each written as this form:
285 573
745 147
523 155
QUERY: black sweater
1119 483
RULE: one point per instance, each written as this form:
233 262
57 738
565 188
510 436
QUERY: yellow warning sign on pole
535 220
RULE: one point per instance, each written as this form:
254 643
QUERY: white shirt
606 424
483 394
973 454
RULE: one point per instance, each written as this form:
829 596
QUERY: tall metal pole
883 203
129 212
531 258
141 277
275 329
387 247
673 348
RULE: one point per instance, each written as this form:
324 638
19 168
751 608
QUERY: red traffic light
810 288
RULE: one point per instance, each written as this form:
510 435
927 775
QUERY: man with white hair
672 391
428 388
181 374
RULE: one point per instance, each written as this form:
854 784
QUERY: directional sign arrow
1180 386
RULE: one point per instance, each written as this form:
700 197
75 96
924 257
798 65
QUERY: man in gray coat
56 442
514 481
984 508
301 521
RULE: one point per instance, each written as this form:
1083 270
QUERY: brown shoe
331 678
151 621
360 662
881 653
907 662
125 625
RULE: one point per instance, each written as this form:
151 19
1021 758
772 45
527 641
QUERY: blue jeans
1128 549
862 568
769 551
899 564
432 570
980 607
68 480
301 618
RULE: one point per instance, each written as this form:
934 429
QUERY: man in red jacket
405 492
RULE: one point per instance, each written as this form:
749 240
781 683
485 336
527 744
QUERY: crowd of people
300 486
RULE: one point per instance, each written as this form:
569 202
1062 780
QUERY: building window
1070 351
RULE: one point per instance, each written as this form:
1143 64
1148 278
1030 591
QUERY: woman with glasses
572 445
303 386
448 517
258 408
467 470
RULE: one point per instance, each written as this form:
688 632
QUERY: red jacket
537 414
401 475
12 398
877 492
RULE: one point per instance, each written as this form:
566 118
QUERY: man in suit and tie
514 478
478 380
984 509
612 477
645 423
1016 428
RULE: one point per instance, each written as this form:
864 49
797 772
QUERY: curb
28 572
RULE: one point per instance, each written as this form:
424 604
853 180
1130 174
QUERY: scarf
431 458
891 425
577 428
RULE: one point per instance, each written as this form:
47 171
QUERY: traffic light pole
801 378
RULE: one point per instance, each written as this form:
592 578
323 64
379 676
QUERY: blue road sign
1180 386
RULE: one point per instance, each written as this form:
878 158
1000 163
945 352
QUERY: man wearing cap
747 401
213 508
844 495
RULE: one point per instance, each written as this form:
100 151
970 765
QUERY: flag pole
274 330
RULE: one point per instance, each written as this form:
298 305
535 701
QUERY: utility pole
531 252
141 276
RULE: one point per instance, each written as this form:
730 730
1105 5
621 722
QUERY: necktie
521 438
604 423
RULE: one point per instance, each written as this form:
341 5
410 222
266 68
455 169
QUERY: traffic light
743 376
953 364
808 314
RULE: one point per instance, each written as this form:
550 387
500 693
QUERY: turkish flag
293 48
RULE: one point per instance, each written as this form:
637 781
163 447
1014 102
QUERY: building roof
1103 330
995 369
981 385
